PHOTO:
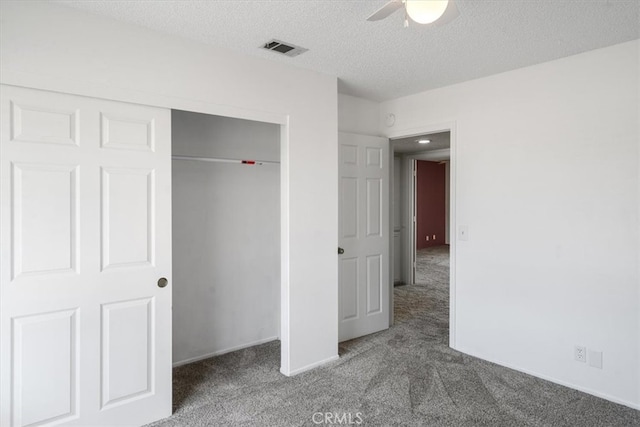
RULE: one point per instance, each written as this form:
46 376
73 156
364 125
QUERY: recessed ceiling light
423 141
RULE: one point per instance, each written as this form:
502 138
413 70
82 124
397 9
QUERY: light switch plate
463 232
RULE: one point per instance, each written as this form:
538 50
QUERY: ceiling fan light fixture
426 11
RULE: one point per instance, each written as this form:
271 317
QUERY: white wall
226 235
206 135
358 115
547 182
49 46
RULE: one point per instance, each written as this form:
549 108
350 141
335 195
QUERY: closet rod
218 160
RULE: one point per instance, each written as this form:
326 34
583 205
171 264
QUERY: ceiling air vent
287 49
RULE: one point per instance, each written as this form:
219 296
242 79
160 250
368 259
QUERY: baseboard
309 367
557 381
221 352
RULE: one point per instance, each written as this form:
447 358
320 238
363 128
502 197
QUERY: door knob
162 282
340 251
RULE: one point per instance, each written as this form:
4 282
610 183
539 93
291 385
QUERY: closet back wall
226 236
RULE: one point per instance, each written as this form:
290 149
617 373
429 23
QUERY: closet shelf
220 160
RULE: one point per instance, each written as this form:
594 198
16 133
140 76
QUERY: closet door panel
85 204
128 214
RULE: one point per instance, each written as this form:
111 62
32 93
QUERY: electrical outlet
427 237
580 354
434 237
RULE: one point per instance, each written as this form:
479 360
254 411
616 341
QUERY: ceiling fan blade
386 10
449 14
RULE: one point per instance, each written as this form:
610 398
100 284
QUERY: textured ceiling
439 141
382 60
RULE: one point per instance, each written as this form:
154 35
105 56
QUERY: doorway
431 262
423 216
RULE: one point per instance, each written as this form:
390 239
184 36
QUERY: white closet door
85 219
364 235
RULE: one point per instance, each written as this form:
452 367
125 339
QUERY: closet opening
226 219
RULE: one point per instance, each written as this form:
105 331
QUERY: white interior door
363 235
85 220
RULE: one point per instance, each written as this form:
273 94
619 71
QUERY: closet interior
226 234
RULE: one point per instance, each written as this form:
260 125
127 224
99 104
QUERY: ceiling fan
435 12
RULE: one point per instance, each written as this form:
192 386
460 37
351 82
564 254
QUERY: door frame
409 205
110 93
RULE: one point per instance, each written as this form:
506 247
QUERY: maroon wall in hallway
430 204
